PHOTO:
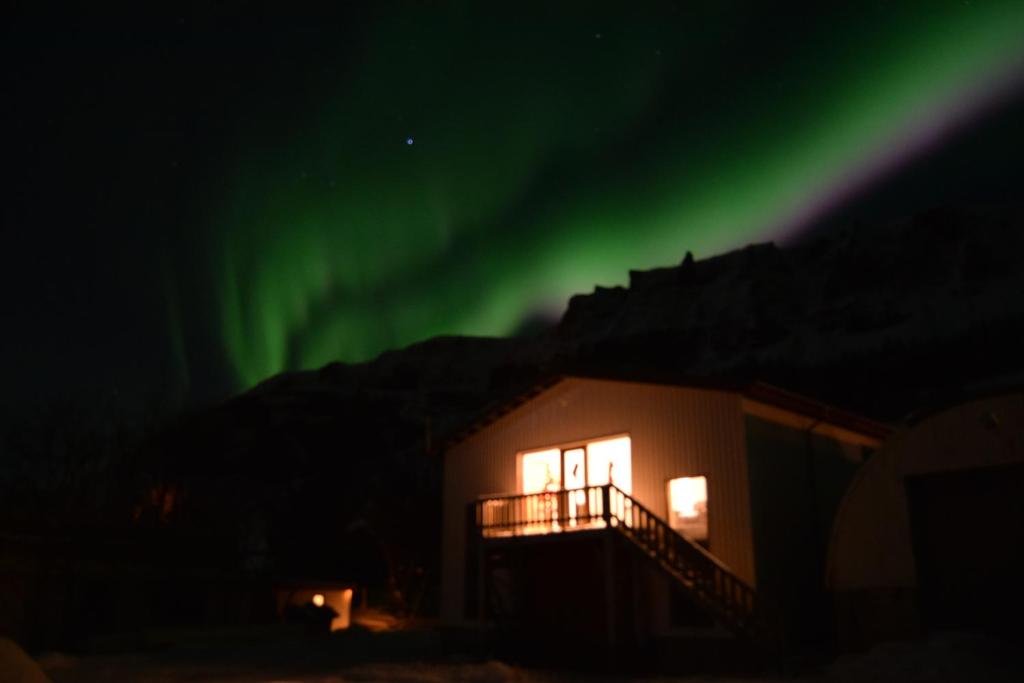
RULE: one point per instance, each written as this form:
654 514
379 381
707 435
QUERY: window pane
609 462
574 469
542 471
688 507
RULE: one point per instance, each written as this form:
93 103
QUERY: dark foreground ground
413 657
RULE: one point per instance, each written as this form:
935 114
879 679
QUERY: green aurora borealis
197 201
552 152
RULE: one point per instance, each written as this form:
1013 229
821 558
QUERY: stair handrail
731 598
709 556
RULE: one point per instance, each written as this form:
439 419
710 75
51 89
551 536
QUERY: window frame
569 446
705 542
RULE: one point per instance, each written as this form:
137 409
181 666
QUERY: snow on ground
949 658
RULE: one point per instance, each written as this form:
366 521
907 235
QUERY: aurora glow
553 153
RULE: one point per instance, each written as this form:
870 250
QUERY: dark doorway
968 536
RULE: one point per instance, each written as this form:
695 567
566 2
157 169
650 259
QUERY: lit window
542 471
596 464
608 461
688 507
575 468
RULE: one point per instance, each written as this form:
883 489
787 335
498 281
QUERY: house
594 512
940 509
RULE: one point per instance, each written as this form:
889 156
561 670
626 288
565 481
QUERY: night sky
194 203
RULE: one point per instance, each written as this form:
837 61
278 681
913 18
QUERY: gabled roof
760 399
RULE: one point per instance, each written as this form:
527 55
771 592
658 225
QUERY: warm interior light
343 606
542 471
318 599
688 503
551 470
575 469
608 461
688 494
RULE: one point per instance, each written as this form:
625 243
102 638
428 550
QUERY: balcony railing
598 507
543 513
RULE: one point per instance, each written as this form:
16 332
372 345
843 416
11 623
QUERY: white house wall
674 431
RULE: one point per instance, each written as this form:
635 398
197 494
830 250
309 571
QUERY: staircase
709 582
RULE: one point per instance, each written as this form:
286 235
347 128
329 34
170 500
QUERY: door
560 483
574 462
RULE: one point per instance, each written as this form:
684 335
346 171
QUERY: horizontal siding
675 431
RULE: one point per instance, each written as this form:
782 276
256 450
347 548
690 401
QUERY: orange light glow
609 462
554 480
542 471
343 606
338 599
688 501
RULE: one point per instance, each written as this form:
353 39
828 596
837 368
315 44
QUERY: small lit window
688 507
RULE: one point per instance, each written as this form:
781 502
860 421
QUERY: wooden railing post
606 504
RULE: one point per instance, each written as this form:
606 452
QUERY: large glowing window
688 507
596 464
545 473
608 461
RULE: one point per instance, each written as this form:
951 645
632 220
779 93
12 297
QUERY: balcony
552 512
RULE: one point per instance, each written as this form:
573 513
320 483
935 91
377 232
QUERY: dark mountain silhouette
881 319
916 309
